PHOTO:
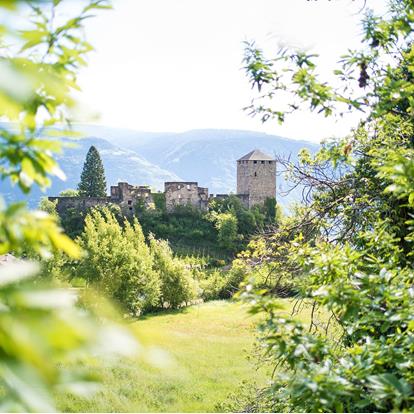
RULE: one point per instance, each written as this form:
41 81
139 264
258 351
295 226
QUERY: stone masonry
185 193
78 203
256 181
256 177
125 195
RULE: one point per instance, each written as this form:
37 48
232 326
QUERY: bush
223 284
226 224
212 285
119 262
177 285
48 206
69 192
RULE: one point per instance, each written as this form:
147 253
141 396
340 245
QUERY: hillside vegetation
344 256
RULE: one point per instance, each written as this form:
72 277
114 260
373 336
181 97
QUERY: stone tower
256 177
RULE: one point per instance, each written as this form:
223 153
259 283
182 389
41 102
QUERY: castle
256 181
256 177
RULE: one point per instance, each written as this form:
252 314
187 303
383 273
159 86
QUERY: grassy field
203 353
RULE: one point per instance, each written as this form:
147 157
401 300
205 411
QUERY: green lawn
203 350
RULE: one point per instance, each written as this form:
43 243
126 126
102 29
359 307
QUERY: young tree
119 262
92 183
48 207
177 285
226 224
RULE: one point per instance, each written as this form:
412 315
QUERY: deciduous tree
41 328
349 248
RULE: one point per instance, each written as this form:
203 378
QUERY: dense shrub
223 284
119 262
212 285
177 285
184 224
226 225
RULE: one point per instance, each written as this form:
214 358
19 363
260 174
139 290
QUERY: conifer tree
92 183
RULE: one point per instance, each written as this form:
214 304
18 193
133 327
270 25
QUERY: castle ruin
125 195
256 181
256 177
180 193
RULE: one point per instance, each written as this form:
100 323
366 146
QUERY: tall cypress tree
92 183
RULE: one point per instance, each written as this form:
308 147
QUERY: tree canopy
41 328
92 182
348 249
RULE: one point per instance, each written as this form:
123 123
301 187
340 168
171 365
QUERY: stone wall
78 203
124 195
185 193
128 196
257 179
203 197
244 198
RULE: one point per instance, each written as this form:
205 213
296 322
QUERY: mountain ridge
207 156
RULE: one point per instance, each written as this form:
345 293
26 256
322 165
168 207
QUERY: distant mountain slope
120 165
209 156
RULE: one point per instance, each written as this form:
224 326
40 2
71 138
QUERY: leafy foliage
118 262
39 324
177 285
48 206
41 329
185 224
249 221
349 249
92 182
223 284
387 86
70 192
226 224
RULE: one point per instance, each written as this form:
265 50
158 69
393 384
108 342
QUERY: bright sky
175 65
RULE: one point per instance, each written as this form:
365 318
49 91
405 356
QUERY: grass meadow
193 359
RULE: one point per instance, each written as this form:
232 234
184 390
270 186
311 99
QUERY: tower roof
256 155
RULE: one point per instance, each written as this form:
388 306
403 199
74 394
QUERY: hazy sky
174 65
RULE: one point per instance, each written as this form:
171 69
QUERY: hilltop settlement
256 182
